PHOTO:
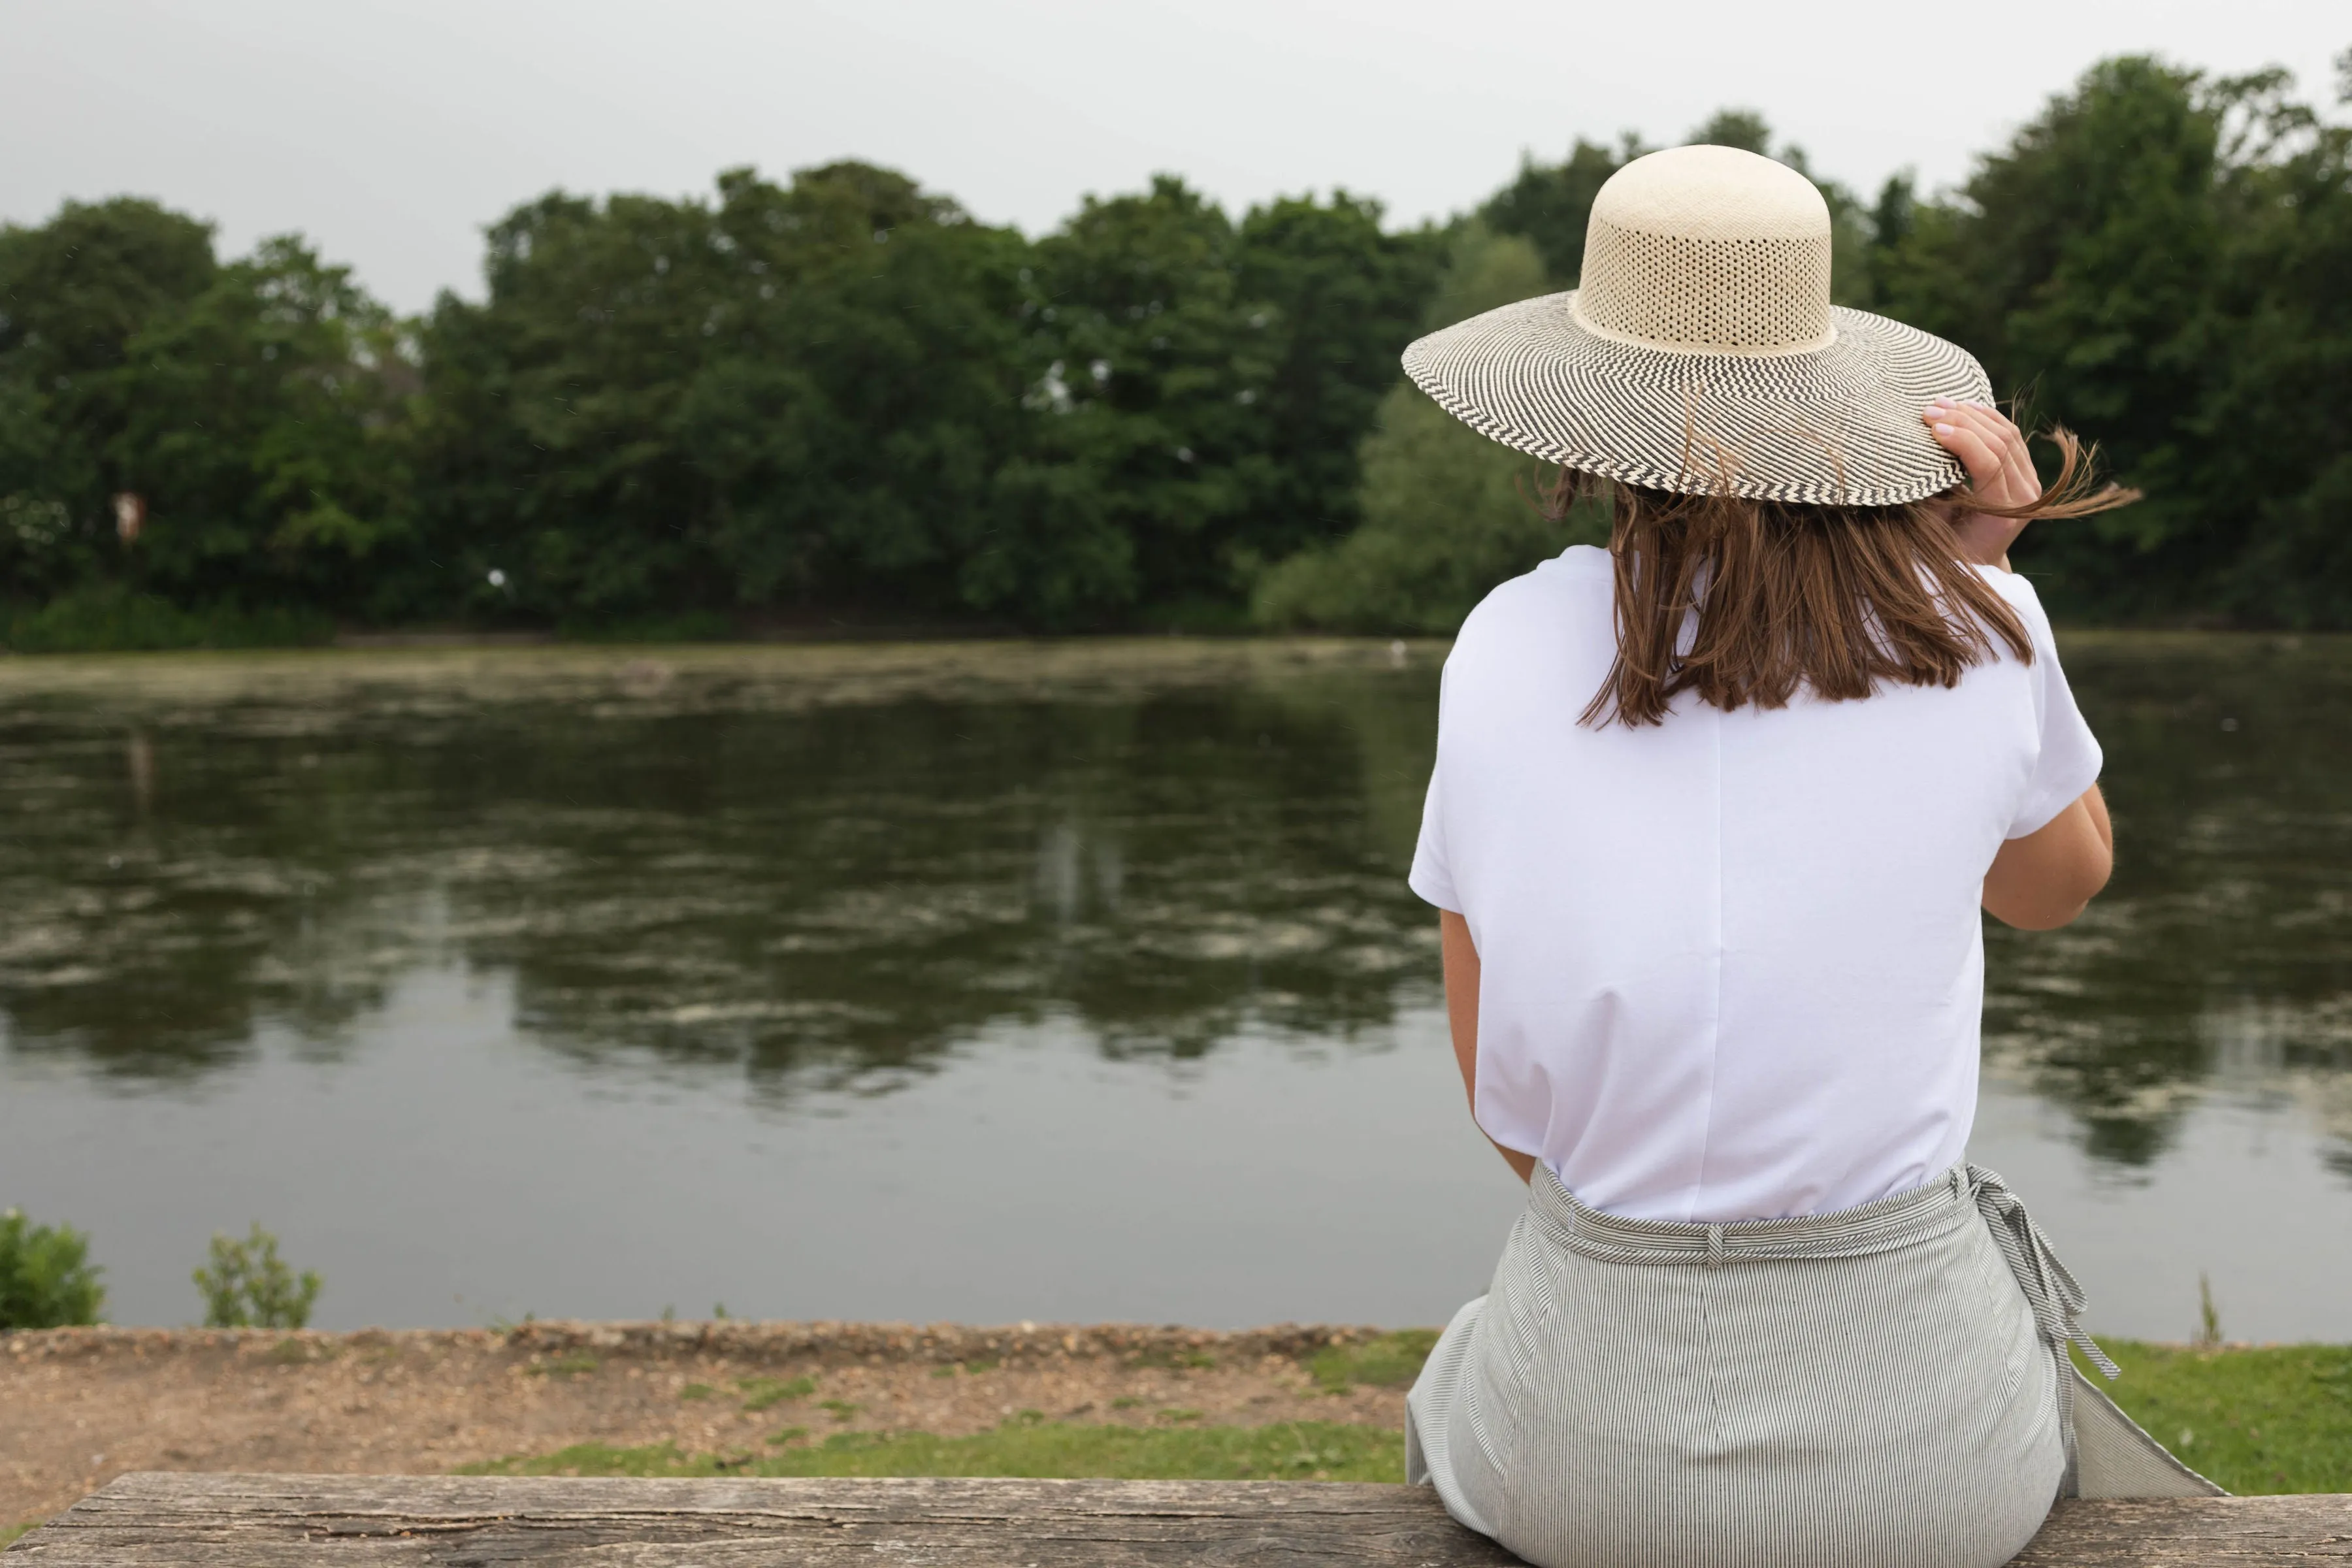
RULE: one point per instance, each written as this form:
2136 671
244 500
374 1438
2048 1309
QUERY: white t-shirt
1732 966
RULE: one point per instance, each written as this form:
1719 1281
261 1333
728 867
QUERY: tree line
839 399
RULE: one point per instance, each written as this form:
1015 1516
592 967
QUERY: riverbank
78 1406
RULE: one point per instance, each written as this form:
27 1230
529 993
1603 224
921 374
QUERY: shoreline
78 1406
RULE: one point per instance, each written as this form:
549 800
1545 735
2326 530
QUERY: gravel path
78 1406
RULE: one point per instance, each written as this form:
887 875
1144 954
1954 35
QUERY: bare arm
2042 880
1461 1014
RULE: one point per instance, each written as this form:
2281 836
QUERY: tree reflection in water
832 866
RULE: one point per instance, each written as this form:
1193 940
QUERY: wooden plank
172 1521
153 1519
2312 1530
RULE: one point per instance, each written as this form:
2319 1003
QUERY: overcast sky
392 132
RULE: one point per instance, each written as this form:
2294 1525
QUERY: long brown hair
1789 597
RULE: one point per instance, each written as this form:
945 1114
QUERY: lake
990 981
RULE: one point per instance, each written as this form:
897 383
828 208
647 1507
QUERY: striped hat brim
1837 426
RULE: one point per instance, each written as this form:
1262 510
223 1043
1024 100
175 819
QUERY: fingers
1979 456
1992 449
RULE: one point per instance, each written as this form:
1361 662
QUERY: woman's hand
2000 469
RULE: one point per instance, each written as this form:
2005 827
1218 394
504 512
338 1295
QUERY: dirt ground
78 1406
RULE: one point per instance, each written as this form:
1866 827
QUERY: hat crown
1708 250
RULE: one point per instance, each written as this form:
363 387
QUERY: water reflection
2221 957
717 869
832 867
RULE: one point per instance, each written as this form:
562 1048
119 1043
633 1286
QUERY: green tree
1204 384
261 421
1448 513
1344 299
1144 443
75 294
47 1280
793 396
2273 463
254 408
2149 263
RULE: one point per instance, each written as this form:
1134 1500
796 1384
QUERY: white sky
391 132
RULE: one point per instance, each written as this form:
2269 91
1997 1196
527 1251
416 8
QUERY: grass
2277 1419
760 1393
1392 1361
9 1532
1302 1450
2270 1420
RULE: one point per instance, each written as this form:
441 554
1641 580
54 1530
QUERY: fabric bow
2050 1288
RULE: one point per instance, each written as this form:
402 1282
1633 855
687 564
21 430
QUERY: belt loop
1715 1247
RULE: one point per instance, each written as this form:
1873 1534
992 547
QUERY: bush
249 1287
109 619
46 1279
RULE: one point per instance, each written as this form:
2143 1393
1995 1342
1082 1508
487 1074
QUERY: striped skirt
1884 1385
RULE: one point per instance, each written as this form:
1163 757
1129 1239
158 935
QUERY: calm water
992 982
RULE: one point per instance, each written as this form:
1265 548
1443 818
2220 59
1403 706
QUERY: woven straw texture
1702 354
1838 426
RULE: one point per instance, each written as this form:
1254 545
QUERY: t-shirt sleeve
1433 873
2069 758
1432 876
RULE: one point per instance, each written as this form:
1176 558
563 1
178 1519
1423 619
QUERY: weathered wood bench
265 1521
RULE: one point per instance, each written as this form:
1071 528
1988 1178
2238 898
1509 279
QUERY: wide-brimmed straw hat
1702 354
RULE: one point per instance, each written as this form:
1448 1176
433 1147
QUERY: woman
1712 816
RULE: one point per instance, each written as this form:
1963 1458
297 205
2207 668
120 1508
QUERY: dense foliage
840 398
845 396
46 1280
2161 261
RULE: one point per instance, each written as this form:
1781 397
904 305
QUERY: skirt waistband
1925 1211
1962 1195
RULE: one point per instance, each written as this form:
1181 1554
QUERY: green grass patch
696 1391
576 1364
789 1435
2277 1419
1392 1361
760 1393
9 1532
841 1409
1302 1450
687 626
